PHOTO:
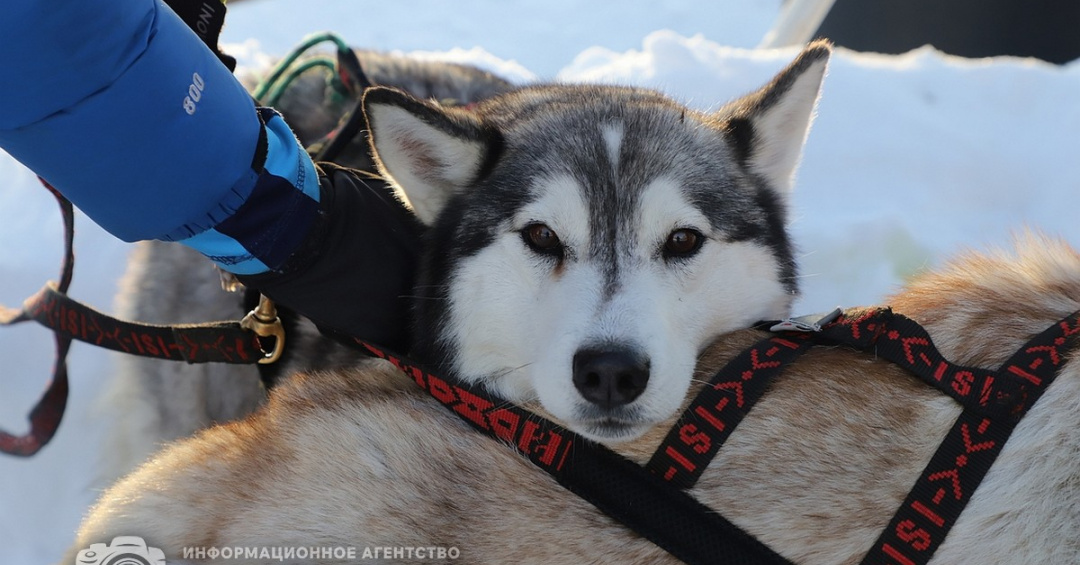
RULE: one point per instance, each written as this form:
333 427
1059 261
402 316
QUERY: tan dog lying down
364 459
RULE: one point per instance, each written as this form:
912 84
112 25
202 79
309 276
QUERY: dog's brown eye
682 243
542 239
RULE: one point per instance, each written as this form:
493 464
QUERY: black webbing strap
625 491
995 394
954 472
993 402
720 406
212 342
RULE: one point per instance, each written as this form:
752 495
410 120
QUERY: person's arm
126 112
121 107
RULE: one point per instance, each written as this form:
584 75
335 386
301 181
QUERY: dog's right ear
426 152
768 128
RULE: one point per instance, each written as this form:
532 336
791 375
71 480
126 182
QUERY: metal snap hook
264 321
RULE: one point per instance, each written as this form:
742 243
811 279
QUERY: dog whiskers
505 372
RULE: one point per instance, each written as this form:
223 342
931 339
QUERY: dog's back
815 470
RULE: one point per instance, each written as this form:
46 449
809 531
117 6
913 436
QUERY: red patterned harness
993 403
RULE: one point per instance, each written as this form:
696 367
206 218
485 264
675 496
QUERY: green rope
296 71
284 64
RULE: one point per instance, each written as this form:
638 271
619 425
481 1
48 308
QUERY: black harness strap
670 518
993 402
719 407
996 394
212 342
954 472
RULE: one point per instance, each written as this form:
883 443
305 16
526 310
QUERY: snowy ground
912 159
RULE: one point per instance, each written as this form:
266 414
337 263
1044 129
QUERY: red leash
46 415
239 342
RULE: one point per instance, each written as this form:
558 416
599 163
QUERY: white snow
913 158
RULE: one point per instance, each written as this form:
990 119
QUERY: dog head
587 242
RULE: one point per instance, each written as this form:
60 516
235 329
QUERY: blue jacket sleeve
120 106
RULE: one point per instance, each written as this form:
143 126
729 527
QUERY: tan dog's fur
363 458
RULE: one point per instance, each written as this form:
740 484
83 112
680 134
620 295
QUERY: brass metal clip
264 321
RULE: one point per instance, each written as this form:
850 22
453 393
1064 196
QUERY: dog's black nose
610 377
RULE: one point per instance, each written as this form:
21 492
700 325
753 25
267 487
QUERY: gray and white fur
587 242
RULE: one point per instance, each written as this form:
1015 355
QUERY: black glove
354 272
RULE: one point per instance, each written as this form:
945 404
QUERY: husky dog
585 243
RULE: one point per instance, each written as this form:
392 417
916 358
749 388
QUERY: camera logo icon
124 550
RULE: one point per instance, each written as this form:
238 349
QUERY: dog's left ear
768 128
426 152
